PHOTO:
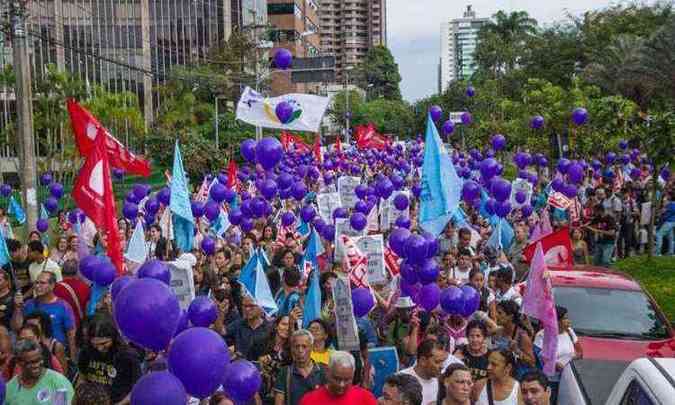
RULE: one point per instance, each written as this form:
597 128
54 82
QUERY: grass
657 276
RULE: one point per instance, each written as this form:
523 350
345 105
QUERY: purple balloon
575 173
470 190
51 204
247 149
409 289
208 246
139 191
416 190
466 118
6 190
537 122
362 301
287 218
197 208
235 216
501 189
118 174
432 244
283 58
269 151
471 300
243 381
401 202
488 168
105 273
218 192
403 222
269 189
56 190
436 112
212 210
329 232
491 206
579 116
397 240
42 225
285 180
429 296
130 211
299 190
361 191
470 91
623 144
408 273
147 312
452 300
498 142
164 196
358 221
155 269
557 184
152 206
46 179
202 312
564 165
201 371
665 173
247 224
526 210
502 209
340 212
158 387
520 197
570 190
610 158
448 127
307 213
119 284
416 249
362 207
385 188
89 265
284 112
428 272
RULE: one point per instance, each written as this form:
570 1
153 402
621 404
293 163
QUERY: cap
404 302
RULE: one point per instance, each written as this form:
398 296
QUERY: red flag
317 149
93 193
338 145
368 138
392 262
85 127
557 248
231 174
293 142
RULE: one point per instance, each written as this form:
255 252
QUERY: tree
553 54
378 74
658 59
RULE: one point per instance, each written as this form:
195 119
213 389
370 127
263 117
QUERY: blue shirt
60 314
669 215
366 325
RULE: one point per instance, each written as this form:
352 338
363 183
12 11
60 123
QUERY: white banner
345 323
373 247
182 283
343 227
389 214
346 186
327 203
258 110
520 185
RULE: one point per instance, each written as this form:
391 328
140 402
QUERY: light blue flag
4 252
43 212
221 224
183 221
254 281
137 250
312 309
44 215
441 187
303 228
247 275
507 234
16 210
495 240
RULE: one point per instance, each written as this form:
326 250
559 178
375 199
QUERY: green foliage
378 74
657 276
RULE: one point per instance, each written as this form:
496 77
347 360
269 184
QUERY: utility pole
348 113
24 109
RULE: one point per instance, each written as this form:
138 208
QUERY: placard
520 185
345 323
182 282
327 203
346 186
373 247
389 214
343 227
385 363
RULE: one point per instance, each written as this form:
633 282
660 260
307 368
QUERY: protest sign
345 323
373 247
182 283
342 227
388 212
520 185
346 186
327 203
385 363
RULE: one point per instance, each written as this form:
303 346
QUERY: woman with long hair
272 354
475 353
499 388
60 251
322 341
579 247
515 335
487 296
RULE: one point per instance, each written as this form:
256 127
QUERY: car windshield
604 312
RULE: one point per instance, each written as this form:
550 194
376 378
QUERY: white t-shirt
461 276
429 387
565 352
510 294
512 399
34 269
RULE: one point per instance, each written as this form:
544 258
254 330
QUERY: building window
281 8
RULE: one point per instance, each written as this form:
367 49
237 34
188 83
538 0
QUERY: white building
459 39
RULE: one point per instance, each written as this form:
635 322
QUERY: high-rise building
349 28
459 40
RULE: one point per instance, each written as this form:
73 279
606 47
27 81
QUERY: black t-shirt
6 309
477 364
117 370
21 274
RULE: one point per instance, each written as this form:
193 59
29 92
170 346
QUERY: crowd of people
59 340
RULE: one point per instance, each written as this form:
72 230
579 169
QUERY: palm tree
658 59
618 69
502 41
512 27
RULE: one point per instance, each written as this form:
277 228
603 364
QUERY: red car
613 316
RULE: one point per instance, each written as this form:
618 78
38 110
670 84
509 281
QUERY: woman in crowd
273 354
43 322
488 304
60 252
499 388
579 247
475 353
322 341
515 336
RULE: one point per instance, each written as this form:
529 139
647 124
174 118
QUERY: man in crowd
401 389
430 358
18 265
339 389
60 313
252 327
534 389
288 296
40 263
505 290
515 254
6 299
36 385
301 377
73 290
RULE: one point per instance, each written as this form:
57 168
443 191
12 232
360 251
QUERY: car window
636 395
610 313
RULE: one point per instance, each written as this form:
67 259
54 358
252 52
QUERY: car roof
593 277
668 365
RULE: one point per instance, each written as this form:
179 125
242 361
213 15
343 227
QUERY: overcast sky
415 25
